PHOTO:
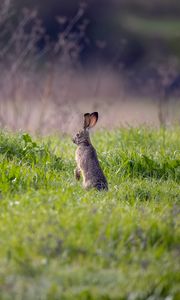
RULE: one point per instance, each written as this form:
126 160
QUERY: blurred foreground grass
61 242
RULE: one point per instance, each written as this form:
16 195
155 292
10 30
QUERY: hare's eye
78 134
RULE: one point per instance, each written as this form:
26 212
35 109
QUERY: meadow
58 241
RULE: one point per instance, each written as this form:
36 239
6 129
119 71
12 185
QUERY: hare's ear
86 120
93 119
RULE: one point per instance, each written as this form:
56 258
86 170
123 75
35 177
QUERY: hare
86 157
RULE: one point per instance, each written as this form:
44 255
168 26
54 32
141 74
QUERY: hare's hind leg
77 173
100 186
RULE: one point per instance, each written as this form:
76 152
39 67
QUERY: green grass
58 241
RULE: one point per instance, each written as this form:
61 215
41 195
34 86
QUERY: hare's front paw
77 173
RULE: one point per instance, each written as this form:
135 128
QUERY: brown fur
86 157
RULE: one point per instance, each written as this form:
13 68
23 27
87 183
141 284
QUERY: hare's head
82 136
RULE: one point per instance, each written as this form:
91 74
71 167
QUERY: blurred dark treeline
130 32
